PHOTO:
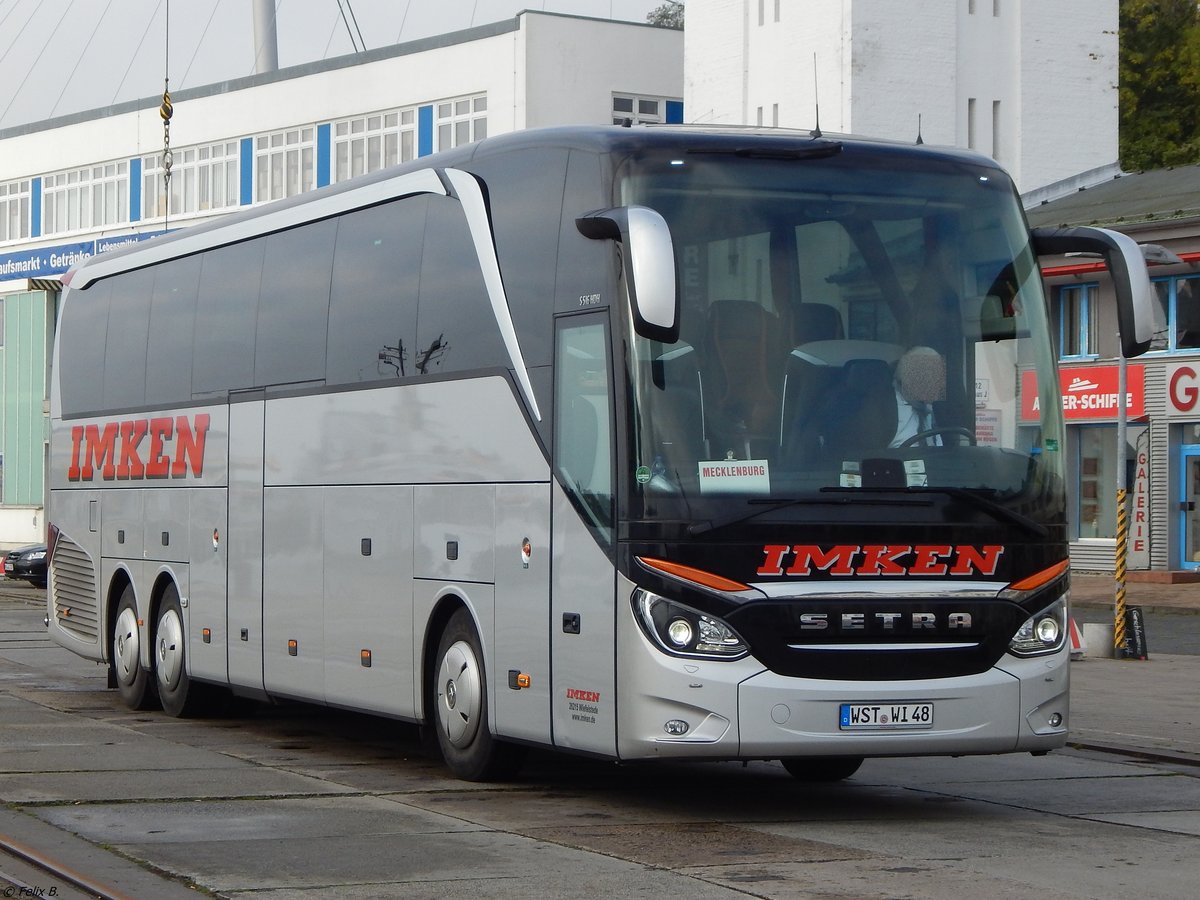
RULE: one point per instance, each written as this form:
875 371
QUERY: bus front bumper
738 710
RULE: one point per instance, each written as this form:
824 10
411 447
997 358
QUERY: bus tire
134 682
461 709
178 695
821 768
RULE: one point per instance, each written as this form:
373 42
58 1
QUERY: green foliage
668 14
1160 83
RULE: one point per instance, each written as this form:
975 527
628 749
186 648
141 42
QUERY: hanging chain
168 158
166 111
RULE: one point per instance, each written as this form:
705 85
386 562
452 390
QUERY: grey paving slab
623 884
1091 796
199 822
329 862
1048 852
122 877
1176 821
161 784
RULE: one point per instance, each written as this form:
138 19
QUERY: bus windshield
851 324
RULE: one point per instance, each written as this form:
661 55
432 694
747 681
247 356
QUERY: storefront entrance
1189 507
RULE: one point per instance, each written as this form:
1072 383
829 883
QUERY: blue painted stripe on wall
135 190
674 112
424 131
323 137
35 219
247 166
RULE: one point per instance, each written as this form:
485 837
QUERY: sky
63 56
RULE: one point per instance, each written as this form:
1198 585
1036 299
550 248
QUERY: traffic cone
1078 644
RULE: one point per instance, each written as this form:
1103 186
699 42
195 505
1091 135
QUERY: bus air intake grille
76 608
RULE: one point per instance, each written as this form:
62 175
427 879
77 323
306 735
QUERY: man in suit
920 382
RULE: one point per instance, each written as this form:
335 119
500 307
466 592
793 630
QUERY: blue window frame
1176 313
1076 308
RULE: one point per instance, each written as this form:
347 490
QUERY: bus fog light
680 632
1056 720
676 728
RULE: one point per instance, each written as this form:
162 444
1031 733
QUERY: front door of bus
1189 507
583 579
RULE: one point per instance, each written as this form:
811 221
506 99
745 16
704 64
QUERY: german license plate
8 567
875 716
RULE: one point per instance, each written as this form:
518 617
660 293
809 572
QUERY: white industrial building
1029 83
993 75
75 185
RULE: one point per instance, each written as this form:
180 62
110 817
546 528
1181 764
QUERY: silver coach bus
640 443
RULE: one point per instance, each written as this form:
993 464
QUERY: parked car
27 564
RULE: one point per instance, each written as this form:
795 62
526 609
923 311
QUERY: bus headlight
683 631
1042 633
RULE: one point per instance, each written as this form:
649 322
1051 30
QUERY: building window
762 12
86 198
1076 309
970 123
368 143
1097 506
202 179
14 210
1176 314
996 8
461 121
643 110
284 164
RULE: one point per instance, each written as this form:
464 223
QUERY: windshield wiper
970 497
772 504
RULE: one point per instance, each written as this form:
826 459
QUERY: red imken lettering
880 559
116 449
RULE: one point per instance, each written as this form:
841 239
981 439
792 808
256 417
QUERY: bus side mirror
649 256
1126 265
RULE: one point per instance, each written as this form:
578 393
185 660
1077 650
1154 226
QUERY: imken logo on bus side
175 449
880 559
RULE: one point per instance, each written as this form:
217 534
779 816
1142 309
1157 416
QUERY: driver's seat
859 413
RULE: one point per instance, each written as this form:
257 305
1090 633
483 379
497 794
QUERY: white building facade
74 186
990 75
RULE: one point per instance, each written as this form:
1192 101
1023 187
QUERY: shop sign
1183 391
1138 552
1089 393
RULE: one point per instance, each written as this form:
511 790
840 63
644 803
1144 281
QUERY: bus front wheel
822 768
461 708
137 691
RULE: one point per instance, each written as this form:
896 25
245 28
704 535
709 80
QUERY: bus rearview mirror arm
649 257
1126 265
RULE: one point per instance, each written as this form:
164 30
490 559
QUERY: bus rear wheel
461 709
137 690
821 768
175 689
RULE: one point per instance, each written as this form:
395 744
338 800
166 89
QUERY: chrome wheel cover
459 694
168 650
125 646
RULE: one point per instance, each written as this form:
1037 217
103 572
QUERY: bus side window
293 305
125 347
226 310
373 300
583 415
81 348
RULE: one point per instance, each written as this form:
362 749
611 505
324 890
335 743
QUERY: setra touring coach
643 443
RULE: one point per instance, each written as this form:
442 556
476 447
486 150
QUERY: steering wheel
922 436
